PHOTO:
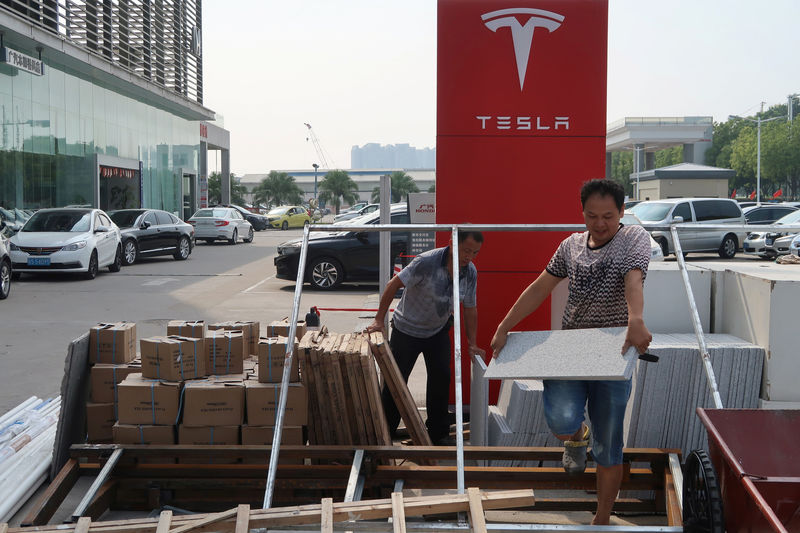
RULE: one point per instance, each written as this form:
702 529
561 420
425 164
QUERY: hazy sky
363 71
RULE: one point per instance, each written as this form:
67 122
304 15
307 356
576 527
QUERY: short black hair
477 236
603 187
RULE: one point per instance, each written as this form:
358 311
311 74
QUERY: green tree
432 188
743 159
402 184
780 157
621 170
238 190
277 188
337 185
669 156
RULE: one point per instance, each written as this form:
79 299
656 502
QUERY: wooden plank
83 525
206 520
102 500
340 385
3 527
242 519
329 402
306 376
361 383
74 393
49 502
400 393
164 521
477 519
674 515
359 417
375 403
326 518
398 513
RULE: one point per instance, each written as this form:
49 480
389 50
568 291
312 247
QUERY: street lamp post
758 123
316 166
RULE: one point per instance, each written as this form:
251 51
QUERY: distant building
374 155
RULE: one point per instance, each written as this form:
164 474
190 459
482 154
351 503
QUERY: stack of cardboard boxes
197 385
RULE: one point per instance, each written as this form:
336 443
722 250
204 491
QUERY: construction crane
318 147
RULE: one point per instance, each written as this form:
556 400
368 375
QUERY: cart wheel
702 502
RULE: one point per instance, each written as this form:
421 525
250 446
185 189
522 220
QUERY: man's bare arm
638 335
386 300
471 328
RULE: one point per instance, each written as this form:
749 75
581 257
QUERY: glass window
683 210
151 218
163 218
59 221
715 209
104 220
125 219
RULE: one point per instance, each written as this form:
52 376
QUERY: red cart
750 480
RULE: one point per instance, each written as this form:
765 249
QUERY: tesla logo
522 34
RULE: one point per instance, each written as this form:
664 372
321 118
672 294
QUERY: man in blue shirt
422 321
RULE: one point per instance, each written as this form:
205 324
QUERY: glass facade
55 126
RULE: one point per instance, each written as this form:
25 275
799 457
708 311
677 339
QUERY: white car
67 240
224 223
656 253
794 248
762 244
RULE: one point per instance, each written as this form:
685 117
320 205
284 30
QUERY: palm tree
402 184
278 188
215 189
338 184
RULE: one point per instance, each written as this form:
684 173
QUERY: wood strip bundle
344 398
399 390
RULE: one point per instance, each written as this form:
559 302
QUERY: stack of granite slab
663 403
663 400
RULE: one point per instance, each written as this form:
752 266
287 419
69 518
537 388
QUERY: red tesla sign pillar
521 124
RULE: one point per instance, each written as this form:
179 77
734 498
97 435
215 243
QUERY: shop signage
203 131
22 61
116 172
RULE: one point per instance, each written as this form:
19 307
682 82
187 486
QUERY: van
714 211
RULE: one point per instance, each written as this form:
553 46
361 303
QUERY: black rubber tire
325 273
702 501
183 250
250 236
235 237
664 246
116 266
5 279
285 225
92 269
130 252
728 247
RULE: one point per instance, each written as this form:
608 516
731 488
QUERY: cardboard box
148 401
280 328
222 435
251 331
271 356
224 352
113 343
173 358
104 378
216 401
194 329
262 435
143 434
100 418
262 403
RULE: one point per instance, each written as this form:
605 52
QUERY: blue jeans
564 405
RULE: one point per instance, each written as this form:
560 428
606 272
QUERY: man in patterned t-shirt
606 267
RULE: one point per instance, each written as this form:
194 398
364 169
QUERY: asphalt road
218 282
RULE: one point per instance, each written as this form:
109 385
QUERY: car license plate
38 261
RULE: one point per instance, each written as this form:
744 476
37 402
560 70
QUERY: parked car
345 256
763 244
701 210
656 253
226 223
13 220
151 232
288 216
356 213
794 247
259 222
354 207
766 213
67 240
5 266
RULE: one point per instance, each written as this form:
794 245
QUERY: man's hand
638 335
498 341
375 326
474 350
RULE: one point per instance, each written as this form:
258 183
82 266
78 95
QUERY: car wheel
250 236
728 247
116 266
91 270
184 249
234 237
285 225
5 279
130 252
326 274
664 246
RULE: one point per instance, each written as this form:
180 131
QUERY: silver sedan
221 223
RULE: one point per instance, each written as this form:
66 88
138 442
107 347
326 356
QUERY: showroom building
101 104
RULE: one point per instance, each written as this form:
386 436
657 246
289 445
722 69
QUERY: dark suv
259 222
345 256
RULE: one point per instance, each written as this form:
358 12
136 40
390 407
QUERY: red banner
752 195
778 193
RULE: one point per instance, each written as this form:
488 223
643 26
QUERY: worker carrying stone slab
422 322
606 267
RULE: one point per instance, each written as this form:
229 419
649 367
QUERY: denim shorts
564 406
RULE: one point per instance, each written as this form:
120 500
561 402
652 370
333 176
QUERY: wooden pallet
241 519
399 390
